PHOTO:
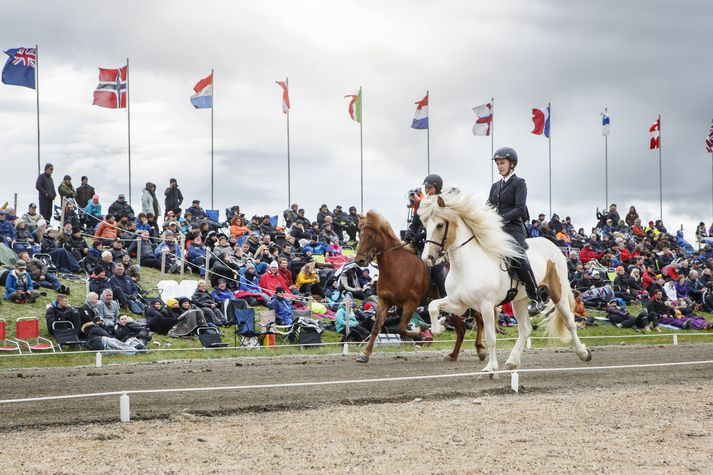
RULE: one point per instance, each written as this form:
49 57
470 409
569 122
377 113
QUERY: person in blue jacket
19 286
170 247
282 307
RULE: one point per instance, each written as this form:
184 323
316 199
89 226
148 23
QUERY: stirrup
535 307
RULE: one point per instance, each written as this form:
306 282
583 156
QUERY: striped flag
355 106
605 123
655 134
203 98
485 119
541 120
285 96
420 118
709 140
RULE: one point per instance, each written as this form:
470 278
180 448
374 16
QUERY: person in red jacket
649 277
271 280
587 254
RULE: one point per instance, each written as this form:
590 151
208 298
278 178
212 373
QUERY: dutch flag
420 119
203 98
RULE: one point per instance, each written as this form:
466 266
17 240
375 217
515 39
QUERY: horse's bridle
442 244
371 256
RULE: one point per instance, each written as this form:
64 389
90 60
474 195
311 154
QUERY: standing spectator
66 189
120 207
92 212
290 215
631 216
47 193
353 223
31 218
174 197
85 191
149 202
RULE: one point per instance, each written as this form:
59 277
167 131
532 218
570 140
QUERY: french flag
203 98
420 119
541 120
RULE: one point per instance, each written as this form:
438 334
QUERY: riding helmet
434 180
506 152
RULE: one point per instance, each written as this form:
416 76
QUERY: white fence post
675 339
528 344
124 409
207 264
348 308
99 359
183 251
515 382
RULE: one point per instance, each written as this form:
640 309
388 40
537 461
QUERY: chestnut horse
403 282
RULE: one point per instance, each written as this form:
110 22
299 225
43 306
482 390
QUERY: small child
580 312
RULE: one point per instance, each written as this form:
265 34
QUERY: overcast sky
638 58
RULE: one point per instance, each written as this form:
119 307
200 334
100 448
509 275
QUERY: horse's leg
434 311
519 308
564 312
460 334
488 312
479 346
406 313
382 309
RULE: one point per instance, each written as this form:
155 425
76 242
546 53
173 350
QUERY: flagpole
128 120
361 147
492 138
37 95
212 106
606 168
289 180
428 137
712 174
549 145
660 175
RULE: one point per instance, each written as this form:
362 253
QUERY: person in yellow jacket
308 280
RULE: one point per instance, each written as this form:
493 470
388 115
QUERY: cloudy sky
638 58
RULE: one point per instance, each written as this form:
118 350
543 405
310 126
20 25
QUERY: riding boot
438 277
527 277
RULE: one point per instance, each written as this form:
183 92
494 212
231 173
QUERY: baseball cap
33 205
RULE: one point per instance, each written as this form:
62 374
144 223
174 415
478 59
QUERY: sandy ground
633 421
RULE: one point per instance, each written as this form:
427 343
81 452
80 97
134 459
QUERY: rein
371 256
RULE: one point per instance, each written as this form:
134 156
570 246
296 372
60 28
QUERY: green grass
193 350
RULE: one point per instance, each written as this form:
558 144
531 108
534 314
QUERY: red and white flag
285 96
111 90
655 134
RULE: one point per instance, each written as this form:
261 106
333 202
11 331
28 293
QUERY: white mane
480 218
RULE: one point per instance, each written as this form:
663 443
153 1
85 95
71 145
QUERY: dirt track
243 371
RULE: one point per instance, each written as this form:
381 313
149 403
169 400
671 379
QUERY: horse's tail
560 291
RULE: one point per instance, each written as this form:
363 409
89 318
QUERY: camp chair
283 333
65 334
245 328
5 343
46 260
188 287
210 337
169 289
27 332
213 215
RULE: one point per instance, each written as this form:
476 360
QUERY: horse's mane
481 218
376 221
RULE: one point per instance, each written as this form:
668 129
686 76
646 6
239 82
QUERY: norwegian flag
709 140
285 96
111 90
655 134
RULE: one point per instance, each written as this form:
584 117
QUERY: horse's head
374 235
440 234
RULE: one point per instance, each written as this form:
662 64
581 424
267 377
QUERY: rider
416 233
509 197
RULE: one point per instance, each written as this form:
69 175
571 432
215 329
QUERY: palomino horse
470 234
403 282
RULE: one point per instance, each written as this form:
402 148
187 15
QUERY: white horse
469 233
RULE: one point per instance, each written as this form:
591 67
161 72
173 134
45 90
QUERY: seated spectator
222 268
694 287
333 295
108 309
249 281
161 319
356 332
282 307
18 286
290 215
266 227
93 213
580 312
223 246
284 270
125 290
349 282
117 250
237 227
88 310
221 293
172 251
107 230
196 211
196 255
147 257
32 217
308 280
315 247
23 238
211 308
621 318
271 280
7 230
40 275
99 338
121 207
61 311
131 333
76 245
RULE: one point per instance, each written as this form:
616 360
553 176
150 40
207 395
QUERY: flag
355 106
541 119
285 96
709 140
655 134
420 118
111 90
485 119
203 98
605 124
19 68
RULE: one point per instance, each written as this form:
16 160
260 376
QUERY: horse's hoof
482 356
450 358
362 359
588 358
510 366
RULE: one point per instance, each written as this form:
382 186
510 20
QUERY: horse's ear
440 202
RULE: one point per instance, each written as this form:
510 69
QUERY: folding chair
65 334
47 260
245 328
213 215
169 289
28 328
5 343
284 334
210 337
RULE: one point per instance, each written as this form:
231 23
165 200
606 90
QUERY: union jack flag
25 56
111 90
709 140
